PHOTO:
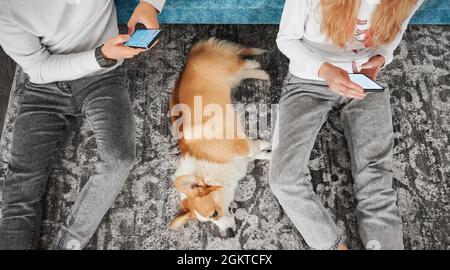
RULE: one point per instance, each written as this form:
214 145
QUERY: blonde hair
339 20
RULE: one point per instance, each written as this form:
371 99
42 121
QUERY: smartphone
143 38
366 83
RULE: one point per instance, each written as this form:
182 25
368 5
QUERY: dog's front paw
265 145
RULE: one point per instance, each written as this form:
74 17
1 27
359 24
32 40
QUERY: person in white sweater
325 40
71 51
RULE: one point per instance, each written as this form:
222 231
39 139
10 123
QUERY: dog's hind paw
264 155
256 74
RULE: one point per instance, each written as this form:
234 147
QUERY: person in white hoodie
72 53
325 40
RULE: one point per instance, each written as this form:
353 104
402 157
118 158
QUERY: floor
7 68
419 82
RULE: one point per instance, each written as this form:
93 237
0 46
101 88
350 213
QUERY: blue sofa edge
258 12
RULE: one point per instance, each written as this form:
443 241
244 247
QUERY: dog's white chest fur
226 175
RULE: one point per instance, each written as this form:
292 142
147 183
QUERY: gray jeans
45 116
304 107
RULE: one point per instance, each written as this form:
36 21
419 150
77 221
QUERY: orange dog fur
210 167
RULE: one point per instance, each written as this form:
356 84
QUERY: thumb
120 39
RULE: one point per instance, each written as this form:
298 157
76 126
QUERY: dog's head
203 202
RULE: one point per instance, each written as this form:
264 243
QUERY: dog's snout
230 232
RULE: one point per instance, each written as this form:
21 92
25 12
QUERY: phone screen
143 38
365 82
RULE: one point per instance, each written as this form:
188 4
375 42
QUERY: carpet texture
418 79
7 68
255 11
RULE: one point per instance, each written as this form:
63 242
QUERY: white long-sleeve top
55 40
301 39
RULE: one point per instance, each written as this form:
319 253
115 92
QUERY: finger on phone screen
131 26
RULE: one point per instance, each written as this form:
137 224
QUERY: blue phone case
143 38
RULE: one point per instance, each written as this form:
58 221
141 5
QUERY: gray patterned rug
419 80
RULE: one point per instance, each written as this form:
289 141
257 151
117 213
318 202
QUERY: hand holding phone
143 39
115 49
339 82
146 14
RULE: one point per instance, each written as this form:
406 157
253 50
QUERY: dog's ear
187 184
210 189
182 218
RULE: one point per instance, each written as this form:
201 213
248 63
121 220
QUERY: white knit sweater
55 40
300 38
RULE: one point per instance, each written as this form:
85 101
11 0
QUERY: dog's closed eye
215 214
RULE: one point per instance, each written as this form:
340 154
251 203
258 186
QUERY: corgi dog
214 149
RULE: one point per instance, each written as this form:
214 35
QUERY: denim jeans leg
368 129
108 109
39 131
304 107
